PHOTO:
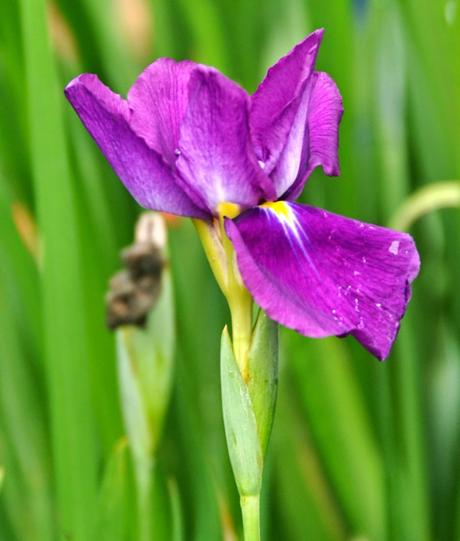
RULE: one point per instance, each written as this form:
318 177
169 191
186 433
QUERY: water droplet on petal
394 247
177 152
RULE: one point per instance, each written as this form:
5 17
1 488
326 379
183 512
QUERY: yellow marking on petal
228 210
281 209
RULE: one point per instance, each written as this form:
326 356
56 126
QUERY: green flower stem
239 301
249 371
250 508
209 237
144 470
221 257
240 305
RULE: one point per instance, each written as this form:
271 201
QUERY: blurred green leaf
177 526
110 516
74 446
341 427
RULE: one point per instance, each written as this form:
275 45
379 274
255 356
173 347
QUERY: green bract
249 407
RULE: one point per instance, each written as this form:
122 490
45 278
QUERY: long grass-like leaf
64 310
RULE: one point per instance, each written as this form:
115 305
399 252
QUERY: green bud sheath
243 440
263 375
248 409
249 371
145 366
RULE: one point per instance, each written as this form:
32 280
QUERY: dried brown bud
134 291
143 259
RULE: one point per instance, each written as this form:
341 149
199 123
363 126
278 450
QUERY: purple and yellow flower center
228 210
280 208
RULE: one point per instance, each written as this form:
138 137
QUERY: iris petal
141 169
295 115
158 101
314 138
215 154
323 274
271 105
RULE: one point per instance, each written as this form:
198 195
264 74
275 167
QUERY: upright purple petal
323 274
141 169
272 109
215 154
313 136
158 100
316 134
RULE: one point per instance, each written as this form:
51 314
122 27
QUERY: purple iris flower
187 139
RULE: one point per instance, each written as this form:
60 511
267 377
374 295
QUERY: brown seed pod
134 291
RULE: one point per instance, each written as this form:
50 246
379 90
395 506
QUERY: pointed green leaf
67 350
240 423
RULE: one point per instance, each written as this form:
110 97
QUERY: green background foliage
360 449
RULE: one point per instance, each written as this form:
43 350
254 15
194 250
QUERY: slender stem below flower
144 469
250 509
222 259
240 306
212 245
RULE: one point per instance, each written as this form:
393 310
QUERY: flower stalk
241 315
250 509
249 374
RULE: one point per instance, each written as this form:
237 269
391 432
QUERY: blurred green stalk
250 508
145 368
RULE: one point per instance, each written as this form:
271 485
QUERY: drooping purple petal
158 100
272 105
323 274
215 154
315 142
141 169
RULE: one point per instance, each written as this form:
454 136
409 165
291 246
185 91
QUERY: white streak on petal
394 247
